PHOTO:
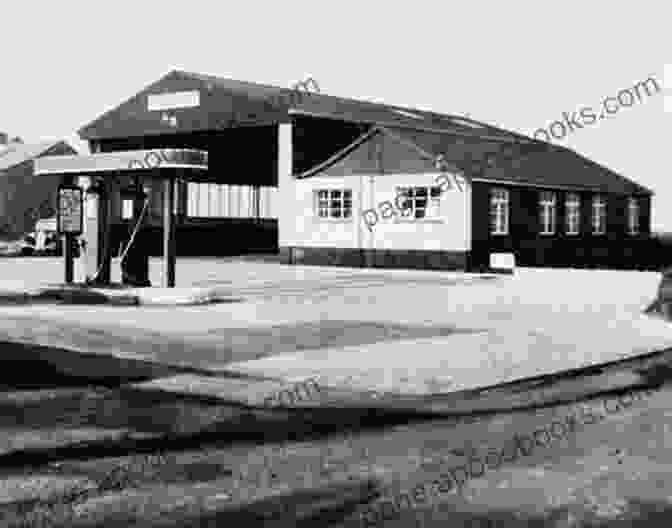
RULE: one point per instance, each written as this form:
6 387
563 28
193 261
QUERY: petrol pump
92 259
90 181
135 257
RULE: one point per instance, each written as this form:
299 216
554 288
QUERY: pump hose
135 229
128 246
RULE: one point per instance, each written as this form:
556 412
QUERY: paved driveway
407 331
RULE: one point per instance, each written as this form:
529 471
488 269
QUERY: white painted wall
451 230
287 206
300 226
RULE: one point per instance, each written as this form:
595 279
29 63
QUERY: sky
517 64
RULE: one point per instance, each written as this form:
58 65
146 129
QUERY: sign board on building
502 261
150 159
171 100
69 214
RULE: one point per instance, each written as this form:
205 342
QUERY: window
333 203
419 202
633 216
210 200
547 212
599 216
572 214
126 209
499 212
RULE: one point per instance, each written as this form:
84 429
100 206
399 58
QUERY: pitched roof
254 104
535 164
17 153
471 143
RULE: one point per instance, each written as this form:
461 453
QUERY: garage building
310 176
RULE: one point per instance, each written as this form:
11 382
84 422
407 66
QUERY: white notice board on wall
171 100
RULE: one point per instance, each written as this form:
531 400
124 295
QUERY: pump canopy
168 165
133 160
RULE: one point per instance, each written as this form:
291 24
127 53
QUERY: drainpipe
379 167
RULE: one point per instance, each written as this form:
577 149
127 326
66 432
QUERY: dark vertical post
68 251
168 231
184 200
105 230
137 201
68 243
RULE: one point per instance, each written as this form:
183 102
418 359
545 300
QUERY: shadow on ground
179 422
341 505
343 513
31 366
205 350
334 506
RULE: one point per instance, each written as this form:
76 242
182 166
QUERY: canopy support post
169 232
68 242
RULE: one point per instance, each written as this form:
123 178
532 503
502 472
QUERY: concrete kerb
77 294
186 297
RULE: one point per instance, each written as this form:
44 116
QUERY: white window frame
332 204
599 215
499 211
548 212
572 214
633 216
419 202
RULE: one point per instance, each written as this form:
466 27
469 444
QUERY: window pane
499 211
633 216
333 203
213 204
127 209
499 195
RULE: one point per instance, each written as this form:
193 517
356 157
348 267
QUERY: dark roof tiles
482 150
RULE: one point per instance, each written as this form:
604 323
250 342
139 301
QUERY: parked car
41 243
27 245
